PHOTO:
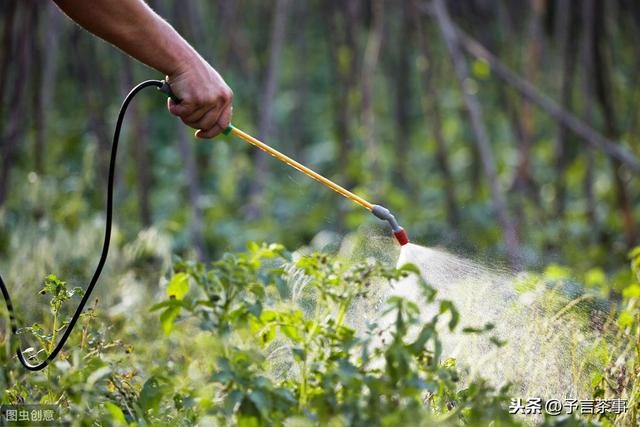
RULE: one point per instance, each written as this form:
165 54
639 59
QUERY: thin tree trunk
140 148
369 69
18 100
604 96
431 105
7 51
523 181
480 132
566 28
266 125
343 19
235 42
94 87
403 94
185 145
587 90
300 122
45 84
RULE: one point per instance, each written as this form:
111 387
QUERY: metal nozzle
386 215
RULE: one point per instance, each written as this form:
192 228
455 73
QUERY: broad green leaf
261 402
625 319
167 317
117 416
631 291
178 286
151 394
595 278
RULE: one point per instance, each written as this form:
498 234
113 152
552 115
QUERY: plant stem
52 344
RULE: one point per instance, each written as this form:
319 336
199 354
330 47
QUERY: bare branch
529 91
479 130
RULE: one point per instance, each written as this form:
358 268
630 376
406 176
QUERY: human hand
205 99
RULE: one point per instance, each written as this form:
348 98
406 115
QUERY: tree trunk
11 136
604 95
566 28
480 132
95 87
44 85
403 94
266 125
369 70
587 90
140 148
301 120
523 182
185 145
431 106
7 51
343 20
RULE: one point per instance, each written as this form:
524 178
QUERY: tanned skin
131 25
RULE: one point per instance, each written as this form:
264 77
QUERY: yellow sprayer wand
302 168
379 211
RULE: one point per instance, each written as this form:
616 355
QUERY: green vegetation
192 324
266 338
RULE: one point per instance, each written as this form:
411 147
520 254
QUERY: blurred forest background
504 129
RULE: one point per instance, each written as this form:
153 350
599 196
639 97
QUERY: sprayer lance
379 211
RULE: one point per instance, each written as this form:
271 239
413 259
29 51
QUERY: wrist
183 60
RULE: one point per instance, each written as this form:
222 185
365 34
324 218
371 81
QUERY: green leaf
595 277
449 362
597 378
268 334
631 291
498 342
425 334
167 317
152 392
455 315
411 268
299 353
557 272
291 332
261 402
117 416
231 401
473 330
178 286
625 319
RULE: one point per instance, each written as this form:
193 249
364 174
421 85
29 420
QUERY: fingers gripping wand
377 210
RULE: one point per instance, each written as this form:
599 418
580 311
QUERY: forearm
205 99
133 27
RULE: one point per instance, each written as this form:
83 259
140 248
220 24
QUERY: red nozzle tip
402 237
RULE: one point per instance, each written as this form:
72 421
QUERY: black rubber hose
105 247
